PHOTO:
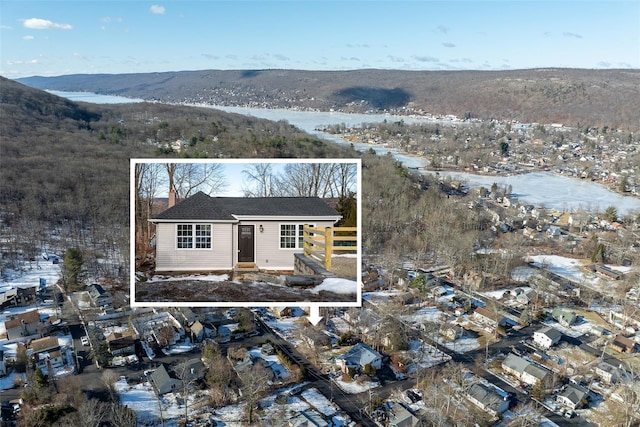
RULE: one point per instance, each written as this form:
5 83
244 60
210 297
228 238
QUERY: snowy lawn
273 361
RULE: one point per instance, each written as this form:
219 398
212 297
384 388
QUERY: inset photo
245 232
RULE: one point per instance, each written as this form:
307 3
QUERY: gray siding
269 256
219 257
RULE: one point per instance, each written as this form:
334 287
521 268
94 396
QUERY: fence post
305 235
328 247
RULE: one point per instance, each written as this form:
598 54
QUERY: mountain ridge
574 97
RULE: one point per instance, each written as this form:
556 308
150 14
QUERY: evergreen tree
72 268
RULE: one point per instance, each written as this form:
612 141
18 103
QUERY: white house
203 233
573 396
524 370
547 337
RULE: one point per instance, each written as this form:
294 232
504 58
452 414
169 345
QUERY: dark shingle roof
203 207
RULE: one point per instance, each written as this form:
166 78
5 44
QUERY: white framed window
292 236
193 236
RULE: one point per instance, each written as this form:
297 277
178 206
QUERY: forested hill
68 163
576 97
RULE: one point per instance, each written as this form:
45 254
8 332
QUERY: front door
245 243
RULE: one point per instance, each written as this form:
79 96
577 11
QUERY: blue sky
94 36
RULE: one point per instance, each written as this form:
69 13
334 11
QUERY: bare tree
187 178
255 381
109 379
187 373
121 416
318 179
146 176
261 180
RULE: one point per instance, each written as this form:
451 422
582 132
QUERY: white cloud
424 58
574 35
158 10
28 38
5 27
44 24
18 62
448 44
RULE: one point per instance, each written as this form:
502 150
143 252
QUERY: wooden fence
322 243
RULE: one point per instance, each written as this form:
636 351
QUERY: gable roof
203 207
563 316
28 317
161 379
520 365
360 355
488 396
574 393
550 332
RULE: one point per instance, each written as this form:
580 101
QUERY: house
526 371
610 374
547 337
47 354
573 396
564 317
399 416
196 331
121 343
307 418
162 382
23 325
360 358
623 344
226 332
203 233
99 297
488 399
489 317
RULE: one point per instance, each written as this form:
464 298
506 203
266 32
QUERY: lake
535 188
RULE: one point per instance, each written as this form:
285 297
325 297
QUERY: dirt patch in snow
191 291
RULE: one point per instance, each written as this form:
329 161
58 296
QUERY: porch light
261 228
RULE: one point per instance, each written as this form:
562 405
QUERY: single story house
399 416
573 396
359 357
203 233
623 344
99 296
488 399
524 370
162 382
564 317
547 337
489 317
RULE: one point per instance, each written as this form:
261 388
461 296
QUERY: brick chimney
172 198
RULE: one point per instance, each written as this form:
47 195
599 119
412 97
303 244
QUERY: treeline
65 166
407 217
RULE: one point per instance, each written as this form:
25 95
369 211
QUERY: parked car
84 340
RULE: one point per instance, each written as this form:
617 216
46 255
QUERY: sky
51 37
235 181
